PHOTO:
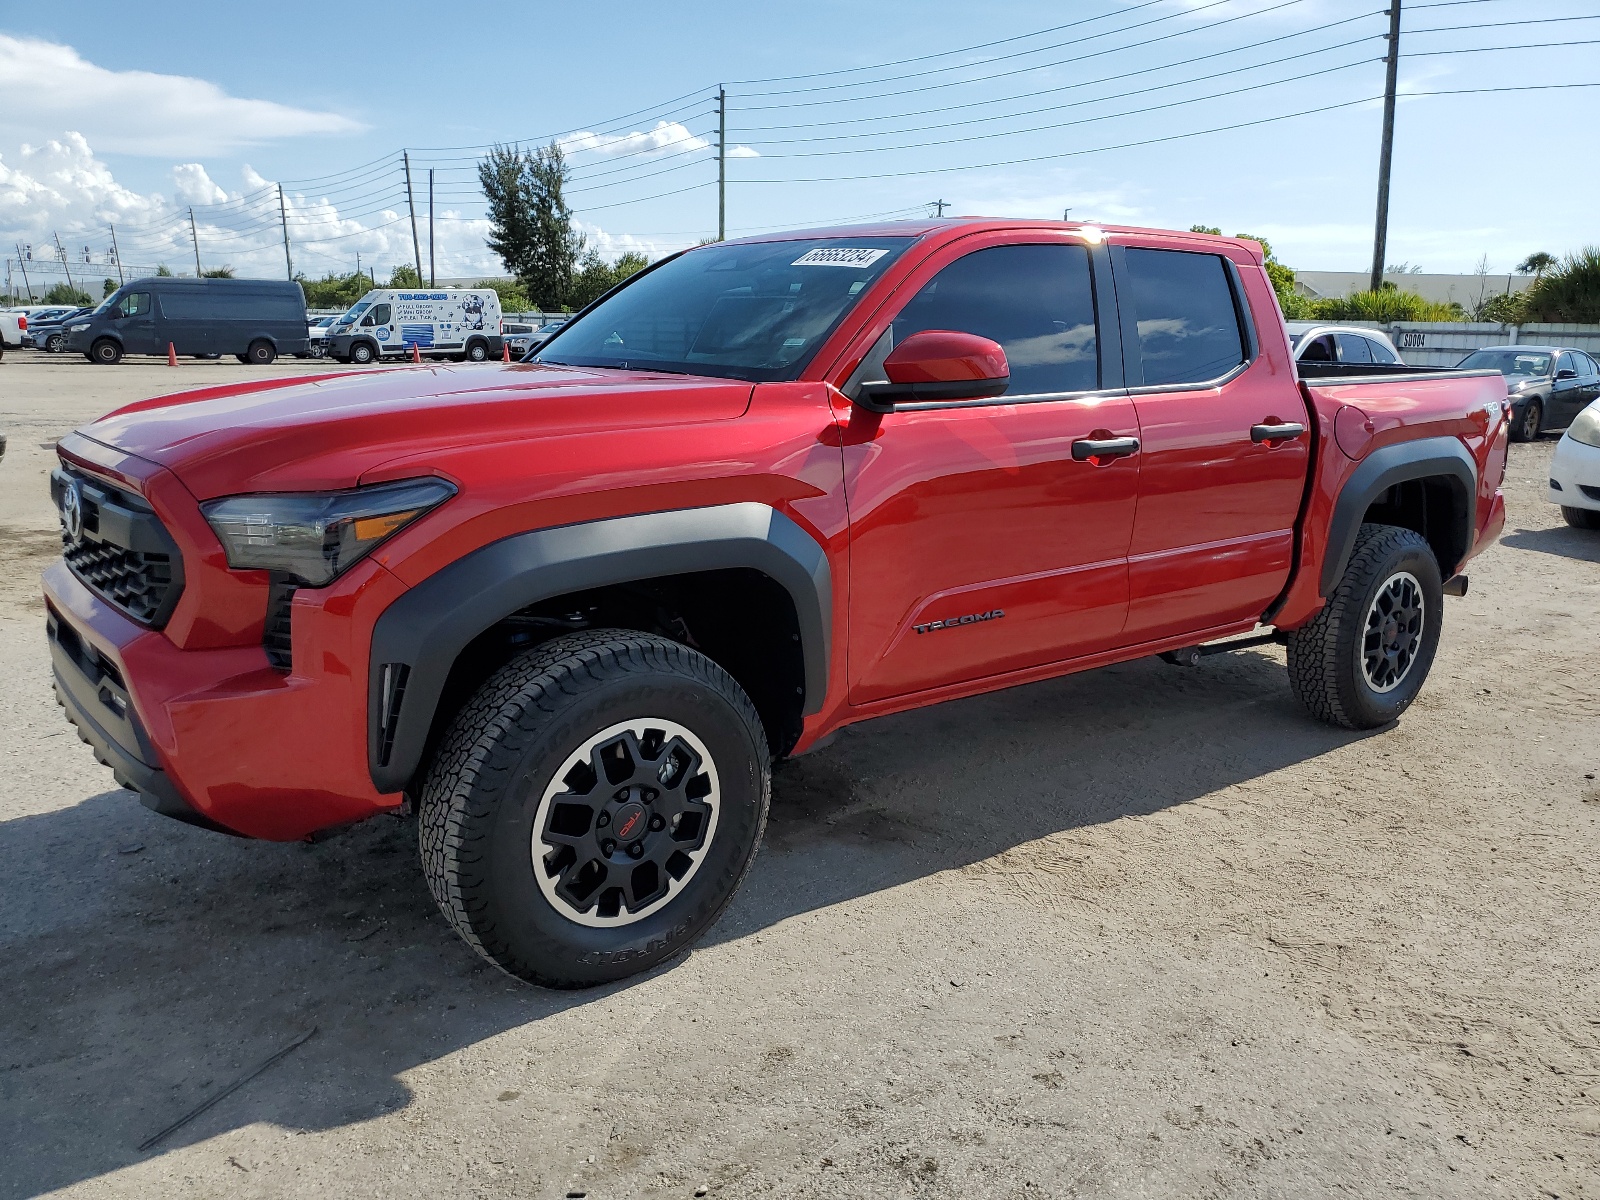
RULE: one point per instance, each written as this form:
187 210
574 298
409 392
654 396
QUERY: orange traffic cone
416 353
505 351
172 355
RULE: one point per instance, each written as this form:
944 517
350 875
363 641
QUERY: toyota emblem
72 510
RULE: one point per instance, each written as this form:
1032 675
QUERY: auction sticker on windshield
838 256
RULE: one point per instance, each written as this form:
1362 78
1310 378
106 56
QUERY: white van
387 322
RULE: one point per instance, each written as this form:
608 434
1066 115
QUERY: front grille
120 549
275 634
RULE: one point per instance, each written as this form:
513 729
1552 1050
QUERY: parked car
572 610
1548 385
317 331
44 316
1575 470
1315 343
461 323
50 335
519 337
547 331
13 327
253 319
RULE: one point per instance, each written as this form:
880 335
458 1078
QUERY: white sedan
1575 470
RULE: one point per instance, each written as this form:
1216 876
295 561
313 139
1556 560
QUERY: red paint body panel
924 517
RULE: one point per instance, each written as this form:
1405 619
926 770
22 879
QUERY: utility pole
722 163
939 206
23 263
1380 236
433 279
283 215
416 247
61 250
195 235
1066 214
117 254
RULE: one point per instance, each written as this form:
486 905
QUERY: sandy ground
1142 932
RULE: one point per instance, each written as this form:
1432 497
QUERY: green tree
1386 305
1295 306
512 298
596 276
62 294
1569 291
333 290
1536 264
1502 307
217 273
530 224
107 288
1214 230
405 276
164 271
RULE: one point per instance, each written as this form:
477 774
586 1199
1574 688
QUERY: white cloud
195 186
46 87
667 136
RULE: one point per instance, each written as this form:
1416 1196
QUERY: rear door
980 543
1225 449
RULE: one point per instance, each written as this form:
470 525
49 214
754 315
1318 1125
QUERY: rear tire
594 807
478 352
1362 660
1530 424
1580 518
106 352
261 353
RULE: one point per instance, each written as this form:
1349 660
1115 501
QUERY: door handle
1276 433
1120 447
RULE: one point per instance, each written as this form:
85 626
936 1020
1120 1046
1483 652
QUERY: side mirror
1566 373
938 364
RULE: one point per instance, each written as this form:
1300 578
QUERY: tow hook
1456 585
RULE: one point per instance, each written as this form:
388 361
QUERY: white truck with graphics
457 323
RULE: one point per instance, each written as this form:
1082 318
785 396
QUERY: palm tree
1536 264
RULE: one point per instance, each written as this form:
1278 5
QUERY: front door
1225 449
379 323
980 543
1569 392
136 324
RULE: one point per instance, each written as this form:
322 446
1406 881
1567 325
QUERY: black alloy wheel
1532 420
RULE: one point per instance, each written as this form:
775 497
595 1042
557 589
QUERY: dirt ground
1146 931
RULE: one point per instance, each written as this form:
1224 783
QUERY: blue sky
129 114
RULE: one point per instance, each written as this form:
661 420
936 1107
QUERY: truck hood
327 431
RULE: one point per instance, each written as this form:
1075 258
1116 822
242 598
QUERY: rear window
1188 326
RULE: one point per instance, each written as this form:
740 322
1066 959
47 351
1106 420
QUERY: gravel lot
1145 931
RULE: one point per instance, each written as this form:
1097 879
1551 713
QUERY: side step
1190 656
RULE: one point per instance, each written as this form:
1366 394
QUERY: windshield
106 304
756 311
1508 362
360 307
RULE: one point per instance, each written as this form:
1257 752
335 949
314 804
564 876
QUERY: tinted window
135 304
1036 301
1381 353
1318 349
230 304
1188 329
1585 360
744 310
378 316
1507 362
1566 363
1354 349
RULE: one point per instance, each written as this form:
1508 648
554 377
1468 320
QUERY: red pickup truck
570 610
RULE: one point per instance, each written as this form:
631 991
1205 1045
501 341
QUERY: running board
1190 656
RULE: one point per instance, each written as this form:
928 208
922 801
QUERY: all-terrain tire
1580 518
486 813
1327 656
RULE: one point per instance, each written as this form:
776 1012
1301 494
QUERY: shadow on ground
1563 540
138 982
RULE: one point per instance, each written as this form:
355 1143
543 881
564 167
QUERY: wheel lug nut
650 795
603 820
636 851
658 822
608 847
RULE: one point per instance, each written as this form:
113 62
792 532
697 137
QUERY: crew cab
570 610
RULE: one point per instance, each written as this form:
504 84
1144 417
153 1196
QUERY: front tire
1362 660
55 343
1580 518
361 354
594 807
106 352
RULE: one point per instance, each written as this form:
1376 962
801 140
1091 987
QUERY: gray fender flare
417 640
1436 457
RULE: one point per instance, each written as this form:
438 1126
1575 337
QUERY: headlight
1586 427
316 537
80 328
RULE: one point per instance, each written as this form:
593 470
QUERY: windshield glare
756 311
1508 362
361 307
